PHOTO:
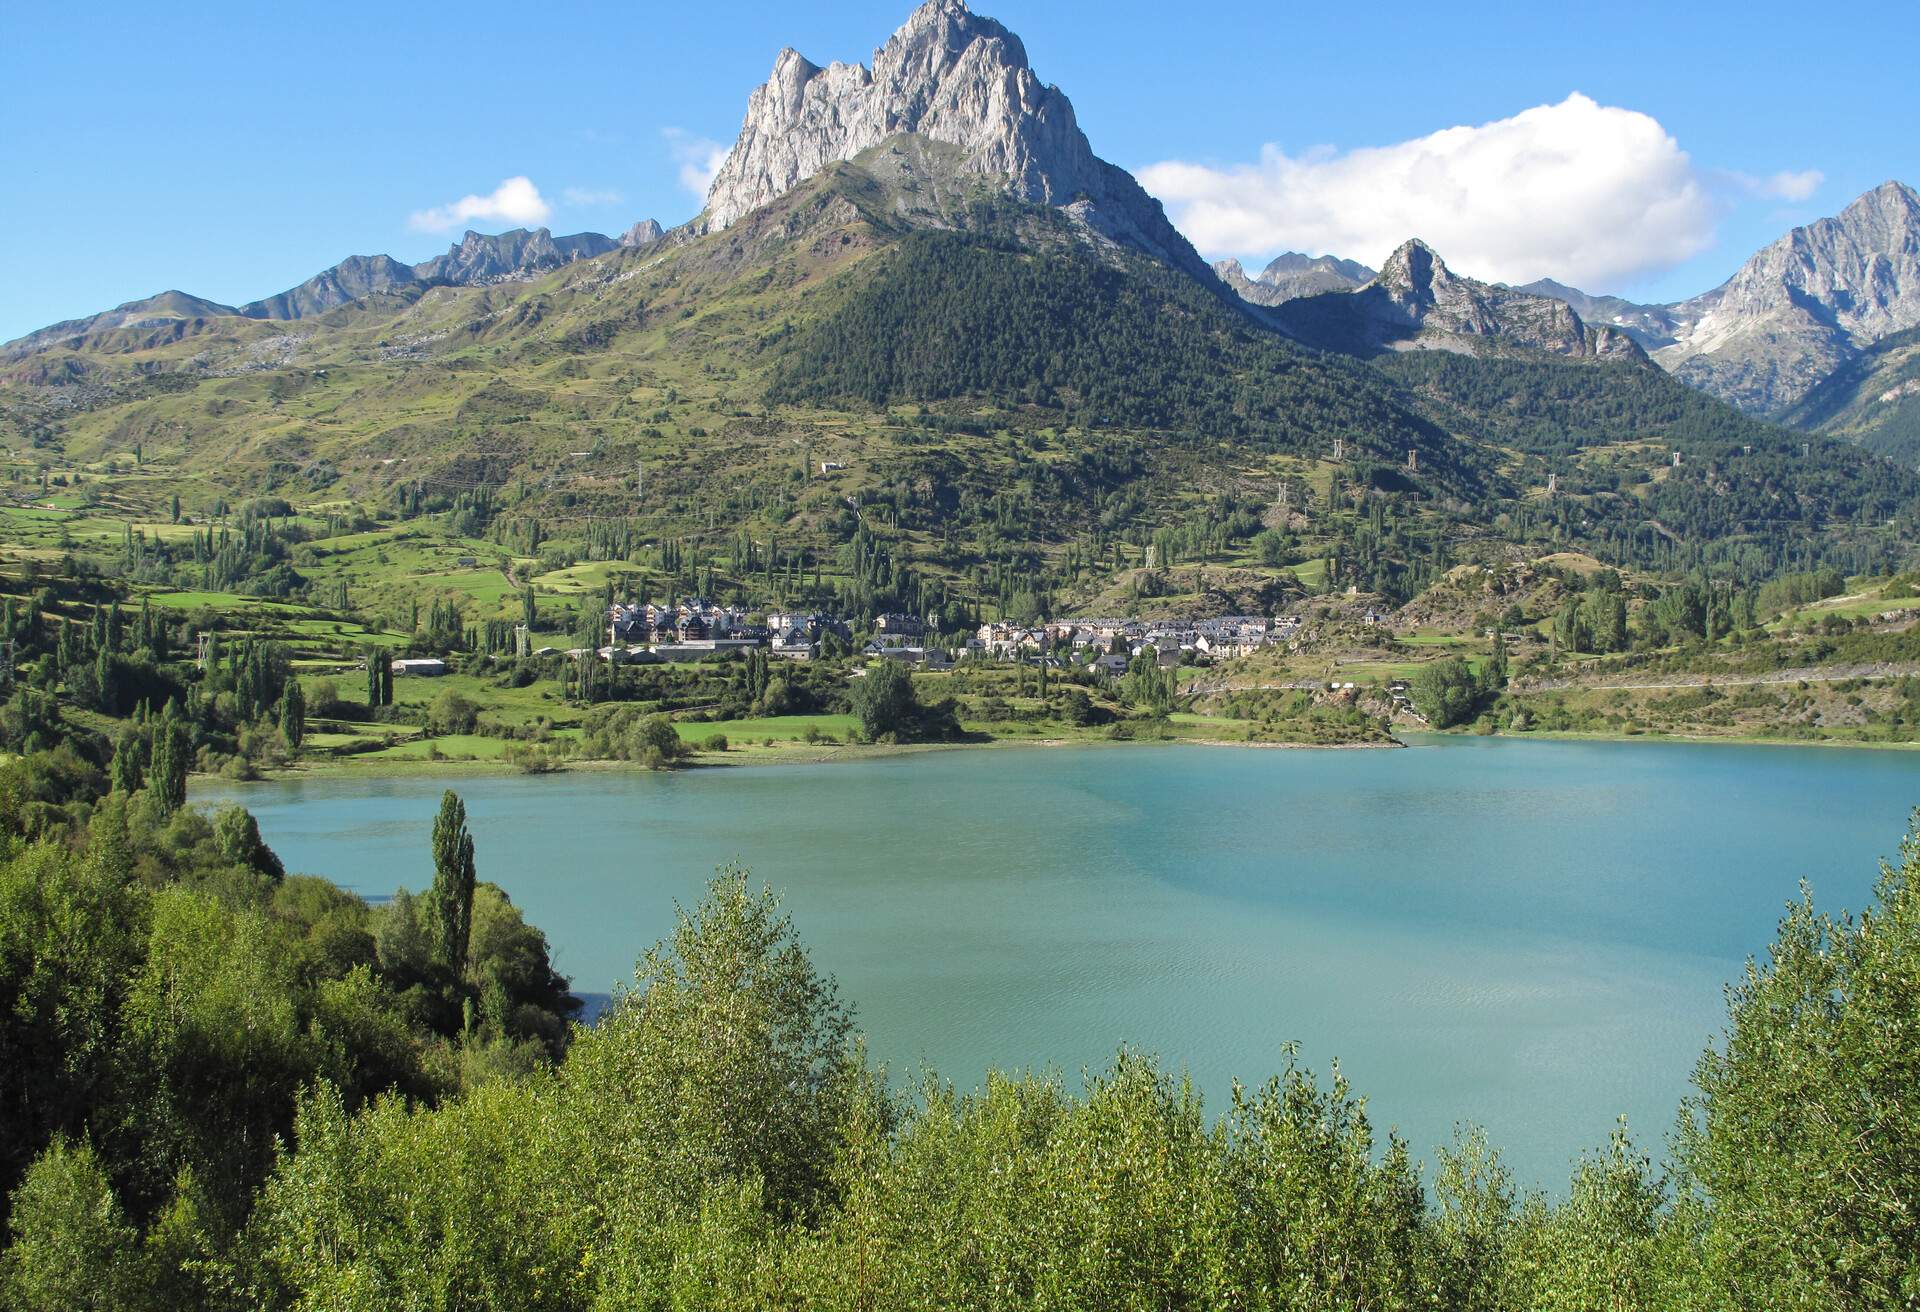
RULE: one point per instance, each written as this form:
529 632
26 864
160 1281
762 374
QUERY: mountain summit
1416 301
1804 305
953 77
1293 275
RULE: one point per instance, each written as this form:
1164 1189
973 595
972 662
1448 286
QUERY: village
694 629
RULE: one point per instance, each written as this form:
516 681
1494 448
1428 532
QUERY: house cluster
693 620
797 635
1111 644
904 638
694 628
686 631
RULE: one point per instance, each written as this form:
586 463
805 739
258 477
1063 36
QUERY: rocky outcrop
1872 399
1416 302
1293 275
353 279
1650 325
956 78
644 233
480 259
1805 305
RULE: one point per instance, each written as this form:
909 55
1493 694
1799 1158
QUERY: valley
386 661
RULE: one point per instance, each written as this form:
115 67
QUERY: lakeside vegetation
237 1088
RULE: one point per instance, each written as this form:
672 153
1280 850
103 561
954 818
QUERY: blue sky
234 149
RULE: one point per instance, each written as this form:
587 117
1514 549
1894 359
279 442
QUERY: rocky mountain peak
1890 209
1805 305
1292 275
644 233
1417 302
1414 270
948 74
1292 264
353 279
953 77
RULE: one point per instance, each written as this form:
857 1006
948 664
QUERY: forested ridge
227 1087
1126 344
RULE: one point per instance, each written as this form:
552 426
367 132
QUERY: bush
716 743
655 743
533 758
452 713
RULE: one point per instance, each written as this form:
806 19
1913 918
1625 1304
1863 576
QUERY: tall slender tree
293 714
450 902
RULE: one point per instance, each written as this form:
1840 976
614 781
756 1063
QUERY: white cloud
591 196
1786 185
1582 192
516 201
699 158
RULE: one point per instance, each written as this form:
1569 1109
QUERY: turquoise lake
1531 936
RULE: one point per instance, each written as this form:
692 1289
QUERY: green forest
230 1087
1135 347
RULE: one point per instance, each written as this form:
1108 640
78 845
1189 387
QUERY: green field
780 728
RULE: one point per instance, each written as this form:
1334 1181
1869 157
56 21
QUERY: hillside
931 365
1002 394
1873 400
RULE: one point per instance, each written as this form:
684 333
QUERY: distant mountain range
1293 275
477 260
921 268
1416 302
1784 338
1798 319
1813 302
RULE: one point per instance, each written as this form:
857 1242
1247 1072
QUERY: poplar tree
450 901
293 714
127 771
171 746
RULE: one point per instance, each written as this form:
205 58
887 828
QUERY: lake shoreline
1729 740
843 754
847 753
753 758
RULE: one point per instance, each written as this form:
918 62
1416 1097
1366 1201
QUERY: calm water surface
1531 936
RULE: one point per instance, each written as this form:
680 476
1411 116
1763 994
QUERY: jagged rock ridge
1797 313
480 259
954 77
1650 325
1805 305
1416 302
1293 275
